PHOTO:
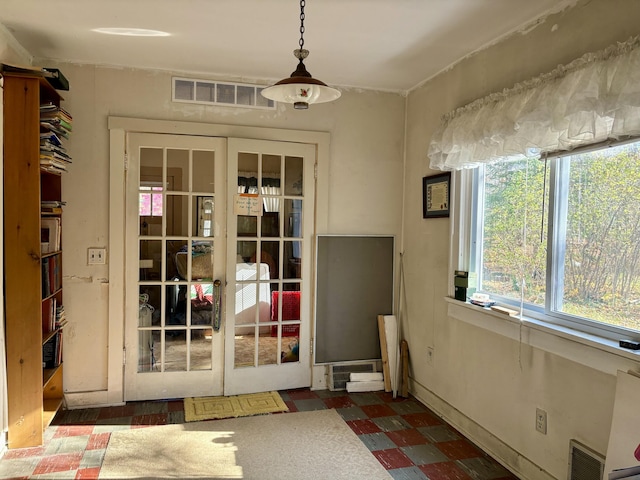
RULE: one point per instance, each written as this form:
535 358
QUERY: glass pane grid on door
176 259
175 206
265 349
266 248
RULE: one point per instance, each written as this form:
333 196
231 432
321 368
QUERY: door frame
118 128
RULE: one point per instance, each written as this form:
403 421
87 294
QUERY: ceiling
389 45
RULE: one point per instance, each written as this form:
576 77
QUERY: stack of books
53 315
55 125
61 318
52 206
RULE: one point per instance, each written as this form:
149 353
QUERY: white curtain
593 99
271 204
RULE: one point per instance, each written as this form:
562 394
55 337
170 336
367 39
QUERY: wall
365 181
490 384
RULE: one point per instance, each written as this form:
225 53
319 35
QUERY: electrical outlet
541 421
430 355
97 256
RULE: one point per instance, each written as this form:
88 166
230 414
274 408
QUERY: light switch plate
97 256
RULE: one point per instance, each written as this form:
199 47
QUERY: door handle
217 305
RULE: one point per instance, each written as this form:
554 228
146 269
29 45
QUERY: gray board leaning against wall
354 285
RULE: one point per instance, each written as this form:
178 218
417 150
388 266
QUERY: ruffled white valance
592 99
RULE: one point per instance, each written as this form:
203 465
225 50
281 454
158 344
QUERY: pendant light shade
301 89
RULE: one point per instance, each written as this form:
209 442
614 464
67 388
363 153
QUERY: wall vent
584 463
339 373
206 92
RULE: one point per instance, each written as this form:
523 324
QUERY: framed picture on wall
436 195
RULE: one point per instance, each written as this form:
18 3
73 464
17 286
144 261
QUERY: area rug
210 408
315 445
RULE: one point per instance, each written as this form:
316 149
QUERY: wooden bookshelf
34 394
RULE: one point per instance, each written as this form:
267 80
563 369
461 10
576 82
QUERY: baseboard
99 398
509 458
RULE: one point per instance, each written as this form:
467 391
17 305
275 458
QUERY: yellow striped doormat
210 408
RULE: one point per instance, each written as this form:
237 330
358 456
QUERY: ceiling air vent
584 463
205 92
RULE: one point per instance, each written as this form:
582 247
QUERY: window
205 216
188 90
563 238
150 204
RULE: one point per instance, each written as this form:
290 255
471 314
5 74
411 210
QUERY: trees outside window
562 236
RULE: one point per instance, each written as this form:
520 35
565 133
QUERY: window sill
592 351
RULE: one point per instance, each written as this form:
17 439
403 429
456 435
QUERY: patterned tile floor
408 439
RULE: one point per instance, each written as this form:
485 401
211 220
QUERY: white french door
175 252
218 265
270 224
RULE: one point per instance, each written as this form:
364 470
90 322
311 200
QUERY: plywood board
391 336
384 353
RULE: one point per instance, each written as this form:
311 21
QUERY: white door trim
118 127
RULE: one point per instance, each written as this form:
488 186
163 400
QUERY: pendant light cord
301 42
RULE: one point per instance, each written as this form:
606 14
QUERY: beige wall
10 50
490 384
364 176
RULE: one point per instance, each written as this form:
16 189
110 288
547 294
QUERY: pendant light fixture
301 88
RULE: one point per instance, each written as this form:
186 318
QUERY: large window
562 237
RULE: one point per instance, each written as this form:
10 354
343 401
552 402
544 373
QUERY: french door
270 226
217 267
175 252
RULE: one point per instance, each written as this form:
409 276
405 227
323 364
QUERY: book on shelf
49 308
51 275
48 125
46 291
50 137
51 206
47 148
53 112
52 169
49 235
52 351
60 317
59 348
57 119
52 165
58 156
55 124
